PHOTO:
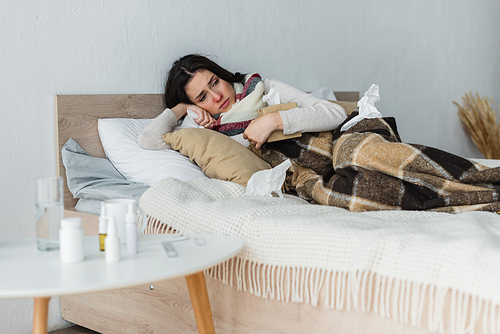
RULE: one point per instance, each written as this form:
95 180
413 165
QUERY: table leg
201 305
40 314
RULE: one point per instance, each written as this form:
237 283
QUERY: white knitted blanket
388 262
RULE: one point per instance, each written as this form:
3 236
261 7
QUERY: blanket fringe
401 300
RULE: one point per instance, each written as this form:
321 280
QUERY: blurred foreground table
27 272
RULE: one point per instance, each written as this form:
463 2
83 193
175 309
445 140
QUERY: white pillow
487 162
119 140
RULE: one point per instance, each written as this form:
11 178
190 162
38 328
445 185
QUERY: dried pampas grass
480 123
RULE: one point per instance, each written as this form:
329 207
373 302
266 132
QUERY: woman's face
208 91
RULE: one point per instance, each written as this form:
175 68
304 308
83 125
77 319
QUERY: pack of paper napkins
267 182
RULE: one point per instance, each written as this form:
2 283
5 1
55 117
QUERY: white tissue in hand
189 122
366 107
272 98
265 182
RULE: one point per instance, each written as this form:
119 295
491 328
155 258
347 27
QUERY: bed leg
201 305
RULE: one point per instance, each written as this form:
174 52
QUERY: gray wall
423 54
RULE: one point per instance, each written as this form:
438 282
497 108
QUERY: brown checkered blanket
369 168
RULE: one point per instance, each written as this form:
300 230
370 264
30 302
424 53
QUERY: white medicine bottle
71 240
112 242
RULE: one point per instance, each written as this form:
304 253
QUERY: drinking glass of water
49 212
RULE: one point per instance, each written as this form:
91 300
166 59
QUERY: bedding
487 162
119 140
368 168
387 262
218 155
91 206
95 178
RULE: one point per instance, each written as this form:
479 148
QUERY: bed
267 291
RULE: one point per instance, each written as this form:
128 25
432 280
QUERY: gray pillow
96 178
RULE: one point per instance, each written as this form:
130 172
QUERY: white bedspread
294 249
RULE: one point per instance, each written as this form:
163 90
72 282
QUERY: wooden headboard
76 117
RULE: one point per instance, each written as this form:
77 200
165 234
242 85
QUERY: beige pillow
219 156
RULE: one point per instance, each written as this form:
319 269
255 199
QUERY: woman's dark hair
184 69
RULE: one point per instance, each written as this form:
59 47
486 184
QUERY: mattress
387 262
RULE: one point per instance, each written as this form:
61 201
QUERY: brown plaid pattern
369 168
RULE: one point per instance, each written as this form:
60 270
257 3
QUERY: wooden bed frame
166 308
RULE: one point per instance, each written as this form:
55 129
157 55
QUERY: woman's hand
261 128
204 118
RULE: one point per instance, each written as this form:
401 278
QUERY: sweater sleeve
150 137
311 115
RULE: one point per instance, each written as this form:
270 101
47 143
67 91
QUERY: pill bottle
71 240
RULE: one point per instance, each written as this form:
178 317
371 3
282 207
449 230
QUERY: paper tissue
366 107
189 120
265 182
272 98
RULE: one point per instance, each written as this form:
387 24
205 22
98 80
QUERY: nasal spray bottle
112 242
131 230
102 226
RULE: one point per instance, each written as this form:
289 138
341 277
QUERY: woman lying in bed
366 167
228 102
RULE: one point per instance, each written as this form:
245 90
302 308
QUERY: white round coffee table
27 272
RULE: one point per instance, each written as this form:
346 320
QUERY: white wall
423 54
